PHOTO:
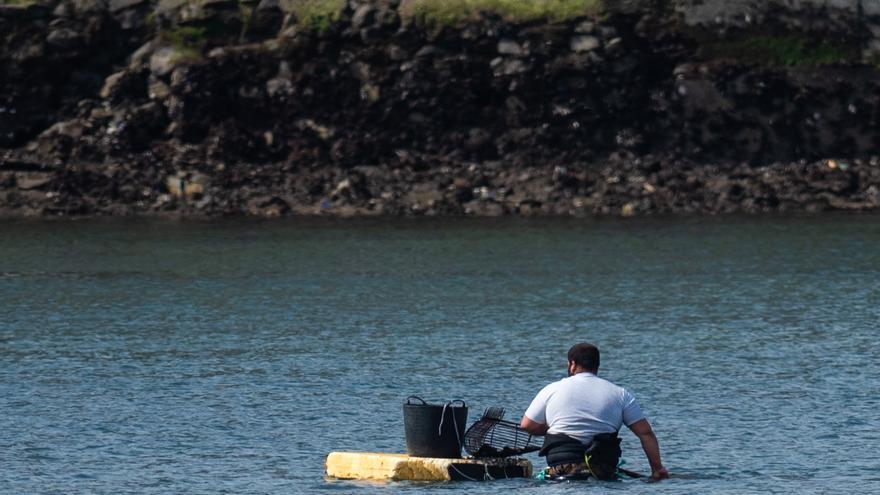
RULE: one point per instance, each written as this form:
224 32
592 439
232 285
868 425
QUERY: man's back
573 411
584 405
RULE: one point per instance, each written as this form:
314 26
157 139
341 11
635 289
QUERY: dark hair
584 355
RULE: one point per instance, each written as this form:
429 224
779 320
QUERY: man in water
580 416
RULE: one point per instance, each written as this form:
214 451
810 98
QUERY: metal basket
492 436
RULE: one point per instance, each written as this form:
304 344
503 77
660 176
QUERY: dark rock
396 53
125 84
117 5
169 8
89 6
510 47
12 11
28 181
65 39
508 66
63 9
363 16
24 11
269 6
618 115
585 27
163 61
268 207
427 51
584 43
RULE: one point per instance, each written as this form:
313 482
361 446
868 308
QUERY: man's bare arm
535 428
643 430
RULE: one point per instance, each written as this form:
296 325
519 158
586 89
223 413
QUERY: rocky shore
226 107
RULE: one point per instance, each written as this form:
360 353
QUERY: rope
486 475
589 467
454 423
452 466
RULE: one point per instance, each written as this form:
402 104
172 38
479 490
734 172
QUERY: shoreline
621 189
177 217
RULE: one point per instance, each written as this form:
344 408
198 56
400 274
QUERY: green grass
186 56
317 14
188 42
187 38
455 11
321 14
16 2
790 51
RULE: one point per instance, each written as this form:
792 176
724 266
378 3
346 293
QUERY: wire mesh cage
492 436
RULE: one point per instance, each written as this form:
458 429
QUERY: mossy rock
23 9
166 6
792 50
314 14
451 12
186 37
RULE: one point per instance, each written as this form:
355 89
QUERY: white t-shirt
584 405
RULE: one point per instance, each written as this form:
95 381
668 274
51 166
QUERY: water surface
194 357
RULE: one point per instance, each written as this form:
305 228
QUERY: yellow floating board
401 467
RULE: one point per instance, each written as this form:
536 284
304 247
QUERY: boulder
585 27
584 43
118 5
510 47
25 10
267 18
269 6
89 6
64 39
268 206
279 87
63 9
14 11
163 61
363 16
508 66
157 89
141 57
69 128
28 181
169 8
120 84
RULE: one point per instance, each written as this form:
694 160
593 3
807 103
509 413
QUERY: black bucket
434 430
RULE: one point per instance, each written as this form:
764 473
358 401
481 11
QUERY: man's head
583 357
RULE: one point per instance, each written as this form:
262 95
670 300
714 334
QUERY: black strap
604 450
555 440
562 449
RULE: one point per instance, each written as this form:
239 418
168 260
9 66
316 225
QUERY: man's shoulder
609 385
554 385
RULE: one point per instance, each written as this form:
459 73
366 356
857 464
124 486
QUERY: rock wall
225 107
847 17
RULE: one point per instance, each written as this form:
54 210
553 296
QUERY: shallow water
190 357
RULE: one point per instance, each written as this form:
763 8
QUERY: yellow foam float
401 467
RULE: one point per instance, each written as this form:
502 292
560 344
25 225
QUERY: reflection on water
157 357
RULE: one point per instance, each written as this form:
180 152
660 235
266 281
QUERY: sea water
231 357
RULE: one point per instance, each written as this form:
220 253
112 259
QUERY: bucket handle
451 403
